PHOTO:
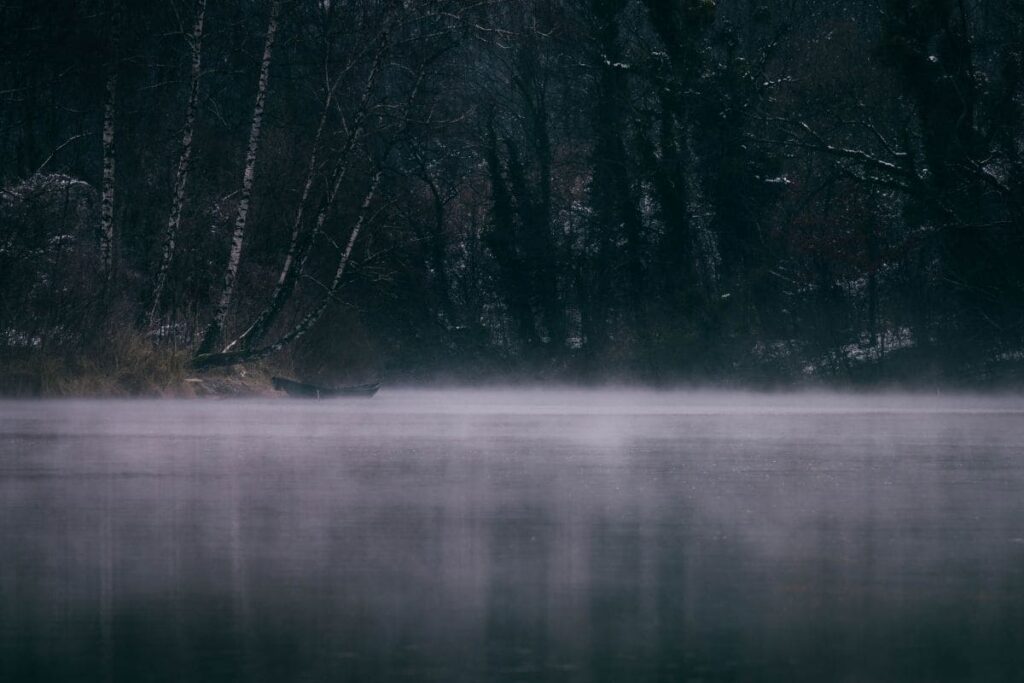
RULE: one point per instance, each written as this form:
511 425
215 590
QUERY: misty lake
514 536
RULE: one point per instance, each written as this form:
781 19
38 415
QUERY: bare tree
298 249
215 329
109 113
181 177
313 317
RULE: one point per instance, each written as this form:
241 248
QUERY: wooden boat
304 390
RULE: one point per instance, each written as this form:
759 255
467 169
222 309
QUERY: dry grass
122 364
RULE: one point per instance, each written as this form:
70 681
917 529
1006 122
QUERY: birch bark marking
216 327
255 332
298 253
181 178
109 111
314 316
306 324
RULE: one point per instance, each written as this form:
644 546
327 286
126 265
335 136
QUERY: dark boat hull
304 390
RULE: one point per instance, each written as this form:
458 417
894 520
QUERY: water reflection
513 537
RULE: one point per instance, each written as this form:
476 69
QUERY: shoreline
241 383
127 367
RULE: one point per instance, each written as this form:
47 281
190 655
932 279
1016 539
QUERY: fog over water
514 535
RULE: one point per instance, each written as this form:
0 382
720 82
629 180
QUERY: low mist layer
514 535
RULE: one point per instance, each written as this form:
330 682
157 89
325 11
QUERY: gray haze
514 535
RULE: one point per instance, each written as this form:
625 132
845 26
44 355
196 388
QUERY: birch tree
181 177
312 317
215 330
109 113
298 249
237 351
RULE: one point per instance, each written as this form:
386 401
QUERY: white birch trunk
181 177
109 112
314 316
256 331
205 359
304 325
286 280
216 327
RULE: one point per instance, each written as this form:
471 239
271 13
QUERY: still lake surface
514 536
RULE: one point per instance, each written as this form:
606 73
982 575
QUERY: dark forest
755 191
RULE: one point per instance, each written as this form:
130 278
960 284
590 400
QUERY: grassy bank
124 364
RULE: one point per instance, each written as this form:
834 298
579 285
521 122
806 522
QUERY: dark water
513 536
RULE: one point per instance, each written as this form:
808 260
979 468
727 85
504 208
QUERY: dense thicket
574 188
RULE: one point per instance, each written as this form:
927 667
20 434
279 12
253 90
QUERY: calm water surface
513 536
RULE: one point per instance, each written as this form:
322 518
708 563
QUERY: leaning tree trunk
216 328
313 317
181 178
254 333
109 112
297 251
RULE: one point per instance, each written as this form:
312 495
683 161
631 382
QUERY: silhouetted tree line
574 188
